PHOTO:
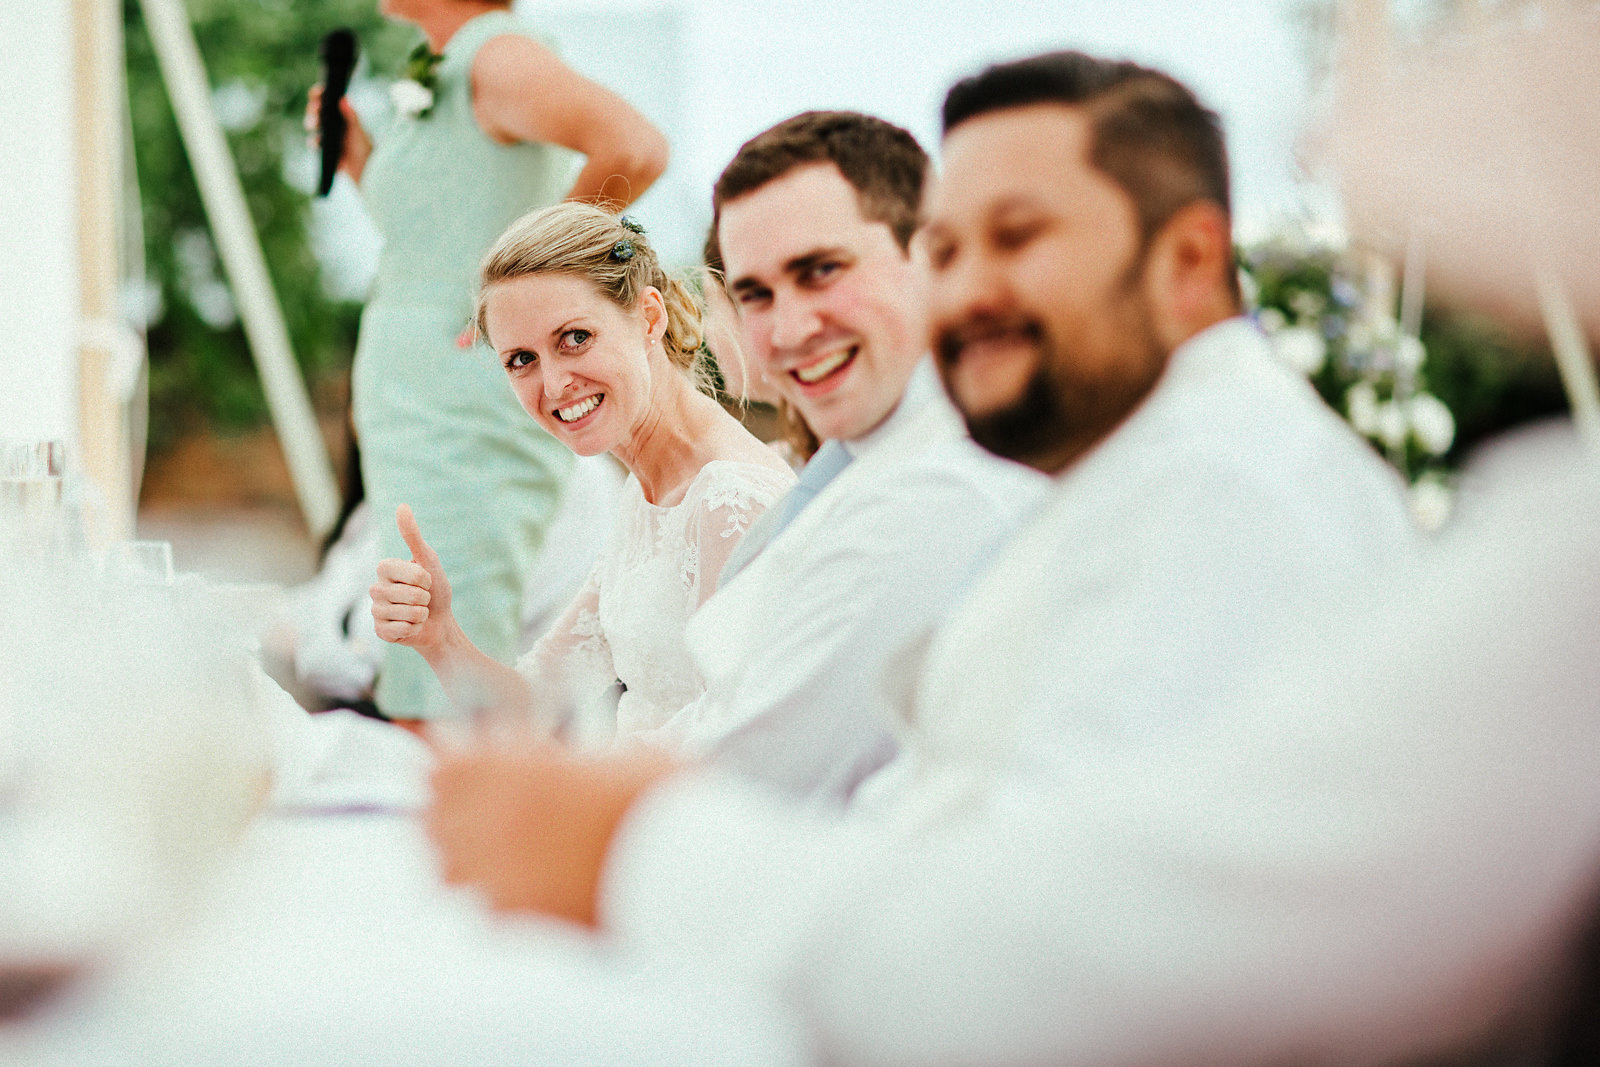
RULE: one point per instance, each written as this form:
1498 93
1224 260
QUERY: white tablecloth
329 940
327 937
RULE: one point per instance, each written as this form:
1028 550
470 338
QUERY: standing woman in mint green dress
495 131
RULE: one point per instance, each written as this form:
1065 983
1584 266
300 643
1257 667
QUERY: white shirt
794 648
1165 567
1364 841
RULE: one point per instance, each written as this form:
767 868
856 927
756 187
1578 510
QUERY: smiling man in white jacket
898 510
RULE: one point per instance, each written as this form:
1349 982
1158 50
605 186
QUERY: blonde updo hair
584 241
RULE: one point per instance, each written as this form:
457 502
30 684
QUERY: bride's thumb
421 551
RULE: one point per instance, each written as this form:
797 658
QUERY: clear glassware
32 516
143 563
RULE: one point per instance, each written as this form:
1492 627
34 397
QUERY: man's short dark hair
1150 134
882 162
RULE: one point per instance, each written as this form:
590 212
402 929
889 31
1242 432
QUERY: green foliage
1492 379
1486 379
262 58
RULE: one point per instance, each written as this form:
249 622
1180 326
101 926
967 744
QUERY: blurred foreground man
1135 828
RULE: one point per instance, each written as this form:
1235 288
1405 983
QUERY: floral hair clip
628 222
622 251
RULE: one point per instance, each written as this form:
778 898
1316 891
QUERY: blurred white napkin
339 760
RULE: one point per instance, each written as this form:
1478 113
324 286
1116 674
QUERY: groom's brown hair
882 162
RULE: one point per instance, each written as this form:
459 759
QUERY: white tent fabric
38 228
70 368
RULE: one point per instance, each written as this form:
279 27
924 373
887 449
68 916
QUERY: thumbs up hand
411 598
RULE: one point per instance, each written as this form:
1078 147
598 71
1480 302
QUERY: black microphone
338 51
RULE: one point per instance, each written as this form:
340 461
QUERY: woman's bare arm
522 91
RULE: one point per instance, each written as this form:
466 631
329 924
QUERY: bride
604 350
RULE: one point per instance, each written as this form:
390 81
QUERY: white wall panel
38 254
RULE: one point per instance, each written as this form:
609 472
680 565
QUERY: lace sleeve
570 667
727 508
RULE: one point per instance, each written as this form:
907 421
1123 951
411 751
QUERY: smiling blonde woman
489 123
603 348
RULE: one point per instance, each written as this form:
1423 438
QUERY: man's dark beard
1059 417
1027 431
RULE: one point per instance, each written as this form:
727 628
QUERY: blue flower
622 251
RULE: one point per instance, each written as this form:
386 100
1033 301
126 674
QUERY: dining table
322 932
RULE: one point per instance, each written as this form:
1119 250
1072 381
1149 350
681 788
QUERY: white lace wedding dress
626 623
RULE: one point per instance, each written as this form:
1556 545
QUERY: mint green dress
438 425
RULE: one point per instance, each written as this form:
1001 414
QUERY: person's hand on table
531 827
411 598
357 145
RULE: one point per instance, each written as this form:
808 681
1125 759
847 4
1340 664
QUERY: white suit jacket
795 646
1165 569
1361 835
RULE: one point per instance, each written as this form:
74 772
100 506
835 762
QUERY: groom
897 510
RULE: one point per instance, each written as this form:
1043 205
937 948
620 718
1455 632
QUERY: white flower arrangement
1393 428
1361 408
1302 348
1430 501
1409 355
1432 425
1423 419
1320 321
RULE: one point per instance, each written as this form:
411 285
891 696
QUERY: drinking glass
140 563
30 495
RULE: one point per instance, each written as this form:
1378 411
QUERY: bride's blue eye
520 358
575 338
